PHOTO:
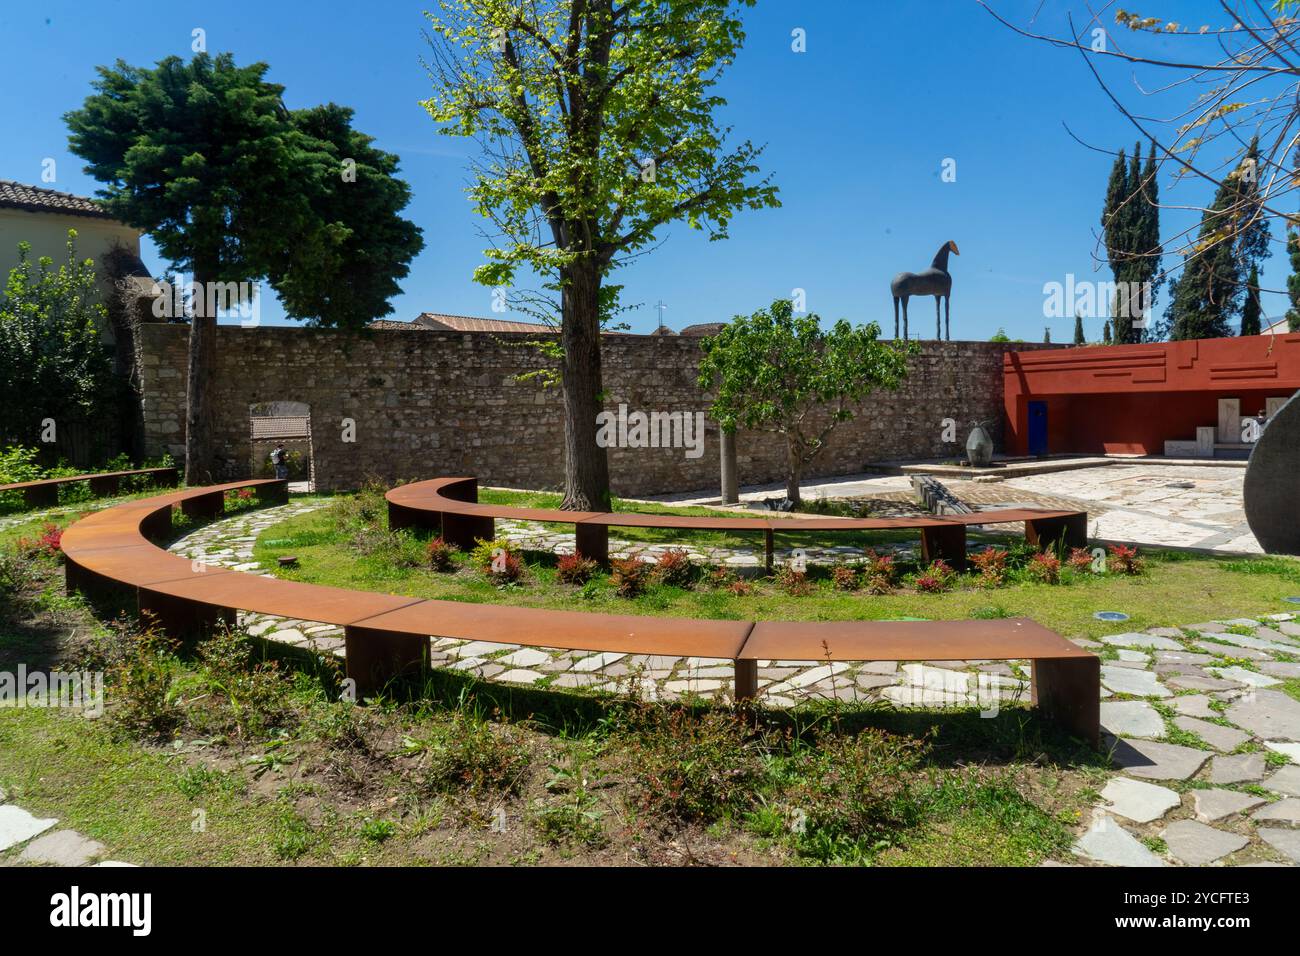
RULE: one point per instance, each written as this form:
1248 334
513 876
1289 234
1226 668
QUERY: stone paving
1195 506
29 840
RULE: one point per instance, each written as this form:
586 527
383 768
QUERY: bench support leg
181 618
41 496
1044 533
463 531
948 542
107 486
277 493
376 657
205 506
746 679
592 541
1068 691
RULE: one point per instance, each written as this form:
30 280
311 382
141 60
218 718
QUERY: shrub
471 753
1080 560
881 566
687 767
992 566
740 588
256 695
938 577
845 577
721 577
853 790
792 582
879 584
143 680
1045 568
506 568
575 569
675 569
630 576
440 555
1124 560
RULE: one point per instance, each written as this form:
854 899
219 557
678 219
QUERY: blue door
1038 428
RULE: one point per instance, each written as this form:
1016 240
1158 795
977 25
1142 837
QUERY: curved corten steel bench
44 492
450 506
387 635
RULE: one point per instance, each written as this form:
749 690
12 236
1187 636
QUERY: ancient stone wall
417 404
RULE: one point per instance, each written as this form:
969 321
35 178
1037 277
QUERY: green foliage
53 362
999 336
1130 222
781 372
1293 282
1079 338
1251 311
205 157
468 752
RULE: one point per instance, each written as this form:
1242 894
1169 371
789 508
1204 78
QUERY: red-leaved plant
575 569
1124 560
1045 568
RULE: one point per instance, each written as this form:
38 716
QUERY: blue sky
856 131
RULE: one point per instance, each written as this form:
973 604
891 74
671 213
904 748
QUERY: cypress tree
1078 329
1208 291
1105 333
1131 231
1250 311
1254 236
1047 335
1293 281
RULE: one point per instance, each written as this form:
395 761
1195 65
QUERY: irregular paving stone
524 657
1245 676
1197 844
1138 801
1197 682
1280 668
1125 656
1211 805
1238 768
1286 780
18 826
692 686
1108 842
1156 761
1182 657
1286 810
1123 680
597 661
62 848
1291 750
1240 640
1286 842
1131 718
1194 705
1269 714
1142 640
1216 735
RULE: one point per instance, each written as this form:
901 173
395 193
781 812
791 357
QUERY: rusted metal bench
388 635
44 492
450 507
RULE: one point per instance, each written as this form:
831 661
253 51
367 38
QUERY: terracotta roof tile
35 199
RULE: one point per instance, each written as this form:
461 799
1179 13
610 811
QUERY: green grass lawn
1176 589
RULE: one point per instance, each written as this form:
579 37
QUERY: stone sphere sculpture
1272 486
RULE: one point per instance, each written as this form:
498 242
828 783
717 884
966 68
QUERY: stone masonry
429 403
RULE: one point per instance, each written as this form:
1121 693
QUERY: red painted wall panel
1131 399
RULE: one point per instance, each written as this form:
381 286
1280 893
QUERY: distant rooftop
35 199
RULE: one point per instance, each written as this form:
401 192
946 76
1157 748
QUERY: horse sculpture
933 281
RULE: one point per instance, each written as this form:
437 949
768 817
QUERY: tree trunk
795 473
586 465
200 457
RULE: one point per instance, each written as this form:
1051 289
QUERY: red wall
1129 399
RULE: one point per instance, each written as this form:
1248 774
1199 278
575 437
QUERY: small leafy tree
53 362
781 372
596 123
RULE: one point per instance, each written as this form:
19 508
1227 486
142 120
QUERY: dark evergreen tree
1078 329
1131 232
1208 292
233 187
1105 333
1250 311
1254 237
1293 281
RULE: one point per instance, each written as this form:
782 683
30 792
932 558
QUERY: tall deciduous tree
781 372
596 121
234 187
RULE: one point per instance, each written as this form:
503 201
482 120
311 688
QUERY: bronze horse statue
933 281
